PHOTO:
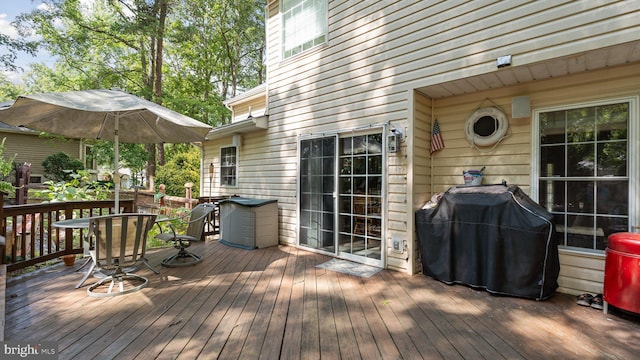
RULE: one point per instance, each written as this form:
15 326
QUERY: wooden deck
275 303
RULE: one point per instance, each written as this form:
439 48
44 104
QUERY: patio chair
119 245
195 228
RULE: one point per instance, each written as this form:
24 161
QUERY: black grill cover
494 237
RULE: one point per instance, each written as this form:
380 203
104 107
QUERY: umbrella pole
116 156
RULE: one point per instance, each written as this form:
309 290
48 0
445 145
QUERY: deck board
275 303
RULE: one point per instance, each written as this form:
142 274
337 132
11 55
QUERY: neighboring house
30 147
543 93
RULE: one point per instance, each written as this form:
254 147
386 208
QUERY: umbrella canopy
92 114
105 115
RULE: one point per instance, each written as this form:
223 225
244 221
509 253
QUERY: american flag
436 138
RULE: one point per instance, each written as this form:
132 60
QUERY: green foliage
60 166
9 90
132 156
77 188
6 167
180 168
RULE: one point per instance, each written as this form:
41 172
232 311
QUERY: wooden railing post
187 190
68 233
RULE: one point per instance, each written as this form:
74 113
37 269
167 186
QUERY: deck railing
31 238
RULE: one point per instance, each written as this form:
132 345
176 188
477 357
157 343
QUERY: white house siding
421 165
378 53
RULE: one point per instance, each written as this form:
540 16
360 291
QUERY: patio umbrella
106 115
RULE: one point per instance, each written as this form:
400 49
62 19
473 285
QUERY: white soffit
512 75
248 125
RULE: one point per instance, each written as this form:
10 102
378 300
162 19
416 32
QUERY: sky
9 9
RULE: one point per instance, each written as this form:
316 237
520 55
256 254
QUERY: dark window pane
316 148
375 144
581 125
345 204
375 165
304 184
305 149
581 160
612 121
328 184
346 148
344 223
580 196
327 221
375 185
580 231
328 203
612 197
612 158
328 165
359 205
305 218
374 206
360 165
552 160
552 127
360 185
345 185
552 195
345 166
359 145
329 147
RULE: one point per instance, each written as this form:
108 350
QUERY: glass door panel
360 198
317 185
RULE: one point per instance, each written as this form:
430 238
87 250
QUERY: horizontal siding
511 160
35 149
421 135
580 272
379 51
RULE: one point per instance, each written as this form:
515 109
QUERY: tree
182 166
9 90
13 46
188 55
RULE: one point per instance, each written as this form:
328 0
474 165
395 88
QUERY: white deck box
249 223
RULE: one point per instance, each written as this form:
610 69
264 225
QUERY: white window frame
302 26
633 156
223 166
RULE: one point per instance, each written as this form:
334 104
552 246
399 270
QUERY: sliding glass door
341 196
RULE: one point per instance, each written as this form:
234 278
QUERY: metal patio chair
119 245
195 228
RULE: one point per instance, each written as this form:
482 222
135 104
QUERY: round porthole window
486 126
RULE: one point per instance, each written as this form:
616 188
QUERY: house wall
377 54
511 160
35 149
421 165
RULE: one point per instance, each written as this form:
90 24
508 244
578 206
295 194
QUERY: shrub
183 167
60 167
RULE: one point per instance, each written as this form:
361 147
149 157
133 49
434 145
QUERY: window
583 171
304 25
228 166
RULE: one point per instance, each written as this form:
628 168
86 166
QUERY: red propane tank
622 271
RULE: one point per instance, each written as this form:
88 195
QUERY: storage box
249 223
